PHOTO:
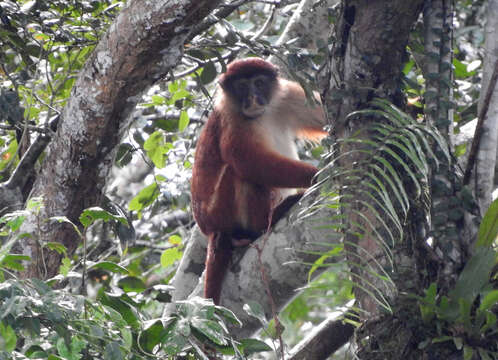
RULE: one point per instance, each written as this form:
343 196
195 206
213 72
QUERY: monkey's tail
219 254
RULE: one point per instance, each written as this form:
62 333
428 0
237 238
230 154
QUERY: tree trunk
366 64
487 147
142 45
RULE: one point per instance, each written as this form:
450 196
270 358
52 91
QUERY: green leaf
57 247
460 150
489 300
124 306
152 335
209 73
177 337
251 346
124 154
468 353
488 230
90 215
428 303
255 309
228 315
14 223
460 70
484 354
474 276
319 263
144 198
73 352
8 338
132 284
13 261
110 266
210 329
113 351
127 338
184 121
157 148
169 256
65 266
158 100
175 239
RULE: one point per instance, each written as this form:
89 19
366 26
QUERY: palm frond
371 195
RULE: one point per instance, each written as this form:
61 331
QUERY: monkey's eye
241 87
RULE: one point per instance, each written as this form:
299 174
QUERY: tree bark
142 45
367 63
484 180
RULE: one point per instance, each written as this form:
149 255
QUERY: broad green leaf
132 284
228 315
113 351
184 121
57 247
255 309
460 70
8 338
109 266
90 215
124 308
209 73
13 261
474 276
158 100
468 352
144 198
152 335
157 148
175 239
210 329
488 230
250 346
490 299
169 256
65 266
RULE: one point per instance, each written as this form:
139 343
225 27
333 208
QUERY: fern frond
370 187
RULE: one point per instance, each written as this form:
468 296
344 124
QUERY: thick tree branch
143 44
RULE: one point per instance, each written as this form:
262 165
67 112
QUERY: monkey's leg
219 253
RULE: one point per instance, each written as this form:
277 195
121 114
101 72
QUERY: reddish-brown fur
243 167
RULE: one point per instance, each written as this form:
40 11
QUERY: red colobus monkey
246 160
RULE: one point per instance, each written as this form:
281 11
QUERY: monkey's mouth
253 111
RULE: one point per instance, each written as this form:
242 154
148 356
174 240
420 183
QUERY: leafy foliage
466 316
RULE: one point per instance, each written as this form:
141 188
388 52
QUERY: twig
480 123
30 127
27 163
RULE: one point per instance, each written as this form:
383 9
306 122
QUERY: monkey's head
250 84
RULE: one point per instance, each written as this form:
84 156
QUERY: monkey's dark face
252 93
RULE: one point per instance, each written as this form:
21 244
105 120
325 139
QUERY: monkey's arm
253 162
